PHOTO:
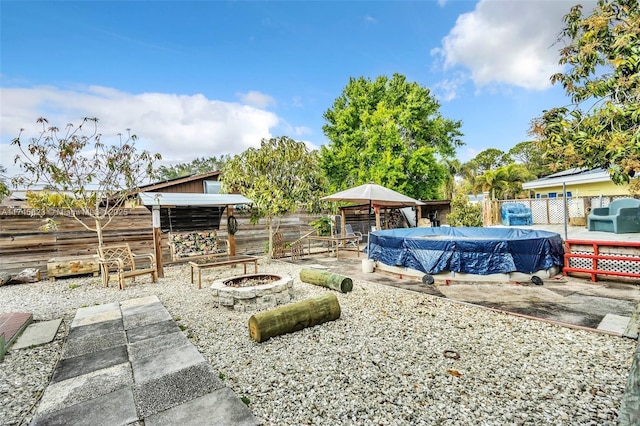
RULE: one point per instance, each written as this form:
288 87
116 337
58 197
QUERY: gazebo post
157 240
230 236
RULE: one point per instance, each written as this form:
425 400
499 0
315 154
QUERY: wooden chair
282 248
121 259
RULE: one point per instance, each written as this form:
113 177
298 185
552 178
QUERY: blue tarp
481 251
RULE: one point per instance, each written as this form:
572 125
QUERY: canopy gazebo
376 196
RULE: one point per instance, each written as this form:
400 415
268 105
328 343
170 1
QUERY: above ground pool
481 251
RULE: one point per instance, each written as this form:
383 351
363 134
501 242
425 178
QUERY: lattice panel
539 211
579 262
620 265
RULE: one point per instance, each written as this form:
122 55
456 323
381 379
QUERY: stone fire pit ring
255 297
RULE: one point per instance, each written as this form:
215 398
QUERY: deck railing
616 258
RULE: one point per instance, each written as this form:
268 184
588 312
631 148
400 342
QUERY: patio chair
120 258
349 232
282 248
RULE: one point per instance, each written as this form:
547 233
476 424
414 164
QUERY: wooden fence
24 245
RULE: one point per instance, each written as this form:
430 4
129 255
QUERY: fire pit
253 292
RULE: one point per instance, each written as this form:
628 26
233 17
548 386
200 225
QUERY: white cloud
449 88
507 42
180 127
256 99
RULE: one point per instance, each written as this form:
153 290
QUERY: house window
552 195
568 193
212 186
537 195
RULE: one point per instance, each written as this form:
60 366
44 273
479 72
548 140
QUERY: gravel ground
388 360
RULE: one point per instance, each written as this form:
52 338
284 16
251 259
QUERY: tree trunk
29 275
327 279
5 277
99 232
294 317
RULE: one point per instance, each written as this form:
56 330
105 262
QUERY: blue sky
197 79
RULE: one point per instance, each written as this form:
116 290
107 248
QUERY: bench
120 258
515 214
622 216
194 244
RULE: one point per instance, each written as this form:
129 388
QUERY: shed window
212 186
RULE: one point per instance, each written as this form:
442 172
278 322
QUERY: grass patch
245 400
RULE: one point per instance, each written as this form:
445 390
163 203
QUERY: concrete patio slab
85 387
499 293
614 323
149 347
165 362
96 329
87 345
97 313
141 315
83 364
126 304
152 330
173 389
37 334
115 408
221 408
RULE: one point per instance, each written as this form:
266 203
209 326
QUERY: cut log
29 275
294 317
327 279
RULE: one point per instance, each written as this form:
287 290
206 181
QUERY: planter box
74 265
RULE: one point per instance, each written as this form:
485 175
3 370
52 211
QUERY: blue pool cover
481 251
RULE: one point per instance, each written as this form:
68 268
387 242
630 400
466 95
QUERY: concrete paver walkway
126 362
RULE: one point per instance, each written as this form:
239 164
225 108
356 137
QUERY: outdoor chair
516 214
349 232
120 258
282 248
622 216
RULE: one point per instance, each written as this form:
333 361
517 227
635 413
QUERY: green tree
388 131
531 155
464 212
504 182
4 189
195 167
453 168
280 177
91 178
601 128
489 159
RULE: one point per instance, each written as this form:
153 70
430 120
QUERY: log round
327 279
294 317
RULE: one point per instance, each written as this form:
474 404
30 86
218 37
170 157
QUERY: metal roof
170 199
569 177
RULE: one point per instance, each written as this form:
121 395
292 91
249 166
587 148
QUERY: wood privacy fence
23 244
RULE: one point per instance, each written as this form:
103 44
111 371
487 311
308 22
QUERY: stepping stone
614 323
12 324
38 334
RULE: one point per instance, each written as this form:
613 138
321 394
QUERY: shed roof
170 199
